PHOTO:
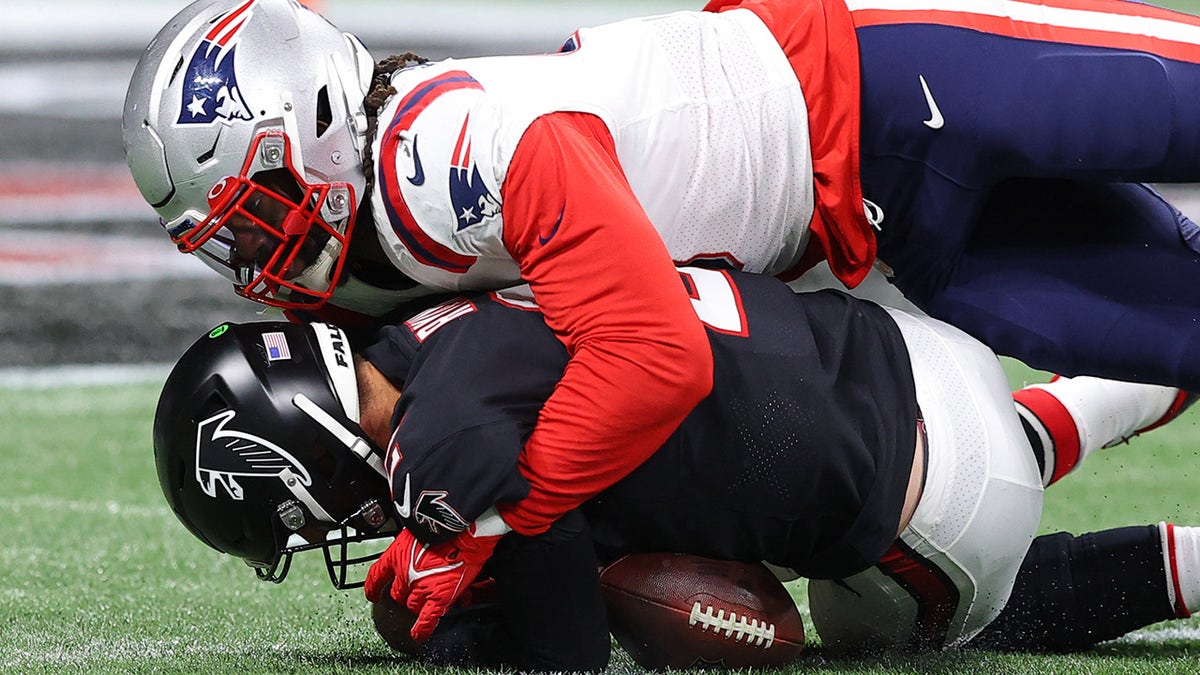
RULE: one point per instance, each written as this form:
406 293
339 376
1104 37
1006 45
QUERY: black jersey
800 456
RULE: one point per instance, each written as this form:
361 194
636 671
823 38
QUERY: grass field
97 576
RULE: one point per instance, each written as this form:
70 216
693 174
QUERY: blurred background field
86 275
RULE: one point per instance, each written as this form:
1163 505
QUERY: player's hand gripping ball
394 622
677 611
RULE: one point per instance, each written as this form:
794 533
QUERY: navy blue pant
1020 215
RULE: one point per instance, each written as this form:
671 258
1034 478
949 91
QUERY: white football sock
1075 416
1181 558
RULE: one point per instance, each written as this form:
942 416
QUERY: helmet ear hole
325 463
212 405
324 111
211 152
175 71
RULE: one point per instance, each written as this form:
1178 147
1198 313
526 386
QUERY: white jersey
711 133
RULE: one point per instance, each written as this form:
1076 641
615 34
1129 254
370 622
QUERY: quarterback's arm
546 613
640 358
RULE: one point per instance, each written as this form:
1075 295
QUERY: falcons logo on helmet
222 454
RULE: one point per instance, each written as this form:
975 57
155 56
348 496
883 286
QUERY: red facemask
270 233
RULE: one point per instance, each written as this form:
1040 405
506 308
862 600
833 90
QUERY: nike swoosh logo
554 230
418 178
935 120
414 557
873 212
404 507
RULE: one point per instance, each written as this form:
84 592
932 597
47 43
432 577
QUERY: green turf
97 576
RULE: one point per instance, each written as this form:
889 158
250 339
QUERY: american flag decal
277 347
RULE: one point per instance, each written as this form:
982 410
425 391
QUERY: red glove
429 579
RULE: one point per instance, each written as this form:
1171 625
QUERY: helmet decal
276 345
339 366
222 454
210 88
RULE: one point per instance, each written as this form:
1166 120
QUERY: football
393 623
677 611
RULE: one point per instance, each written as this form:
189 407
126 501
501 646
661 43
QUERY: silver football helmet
244 128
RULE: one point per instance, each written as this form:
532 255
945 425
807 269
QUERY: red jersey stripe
936 595
1117 25
424 248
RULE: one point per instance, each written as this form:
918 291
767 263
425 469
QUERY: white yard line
75 376
15 505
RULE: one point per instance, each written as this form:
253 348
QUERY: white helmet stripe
356 444
339 363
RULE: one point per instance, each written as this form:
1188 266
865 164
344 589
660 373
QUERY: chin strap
360 296
301 493
315 277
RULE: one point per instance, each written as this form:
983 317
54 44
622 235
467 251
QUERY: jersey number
716 300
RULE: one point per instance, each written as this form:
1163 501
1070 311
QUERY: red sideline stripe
33 258
52 180
1181 610
1058 422
934 592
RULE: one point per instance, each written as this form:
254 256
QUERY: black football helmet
259 450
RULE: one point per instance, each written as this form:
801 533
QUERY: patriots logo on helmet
210 88
470 198
222 454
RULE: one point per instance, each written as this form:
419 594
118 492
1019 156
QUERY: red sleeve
640 358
